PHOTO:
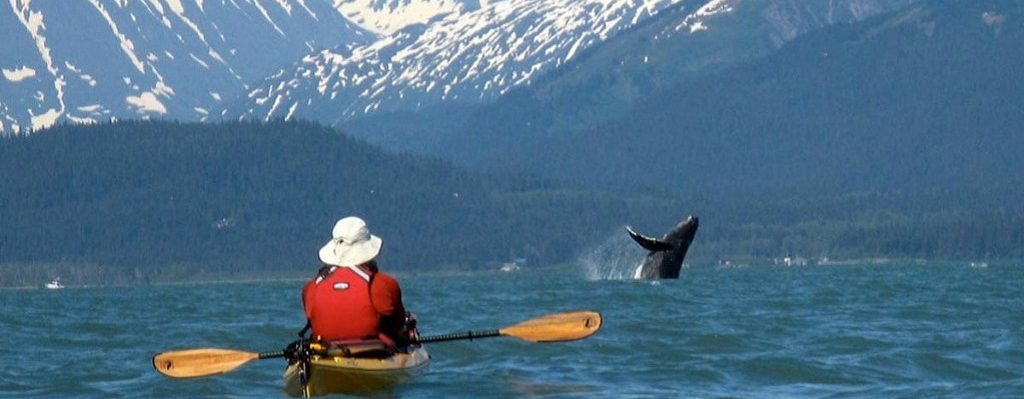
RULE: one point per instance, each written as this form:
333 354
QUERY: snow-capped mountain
471 56
332 60
82 61
475 55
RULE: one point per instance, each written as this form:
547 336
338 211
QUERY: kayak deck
353 375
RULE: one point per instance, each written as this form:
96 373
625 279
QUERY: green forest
146 202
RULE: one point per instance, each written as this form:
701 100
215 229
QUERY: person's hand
297 350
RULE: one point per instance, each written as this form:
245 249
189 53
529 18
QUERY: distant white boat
55 284
510 267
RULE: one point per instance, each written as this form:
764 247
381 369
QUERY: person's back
350 299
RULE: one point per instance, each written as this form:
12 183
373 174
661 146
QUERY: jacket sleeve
387 299
387 295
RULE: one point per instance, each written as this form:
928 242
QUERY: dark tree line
166 200
265 196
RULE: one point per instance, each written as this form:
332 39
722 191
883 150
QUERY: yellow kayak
354 375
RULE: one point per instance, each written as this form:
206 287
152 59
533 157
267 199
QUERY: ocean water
857 331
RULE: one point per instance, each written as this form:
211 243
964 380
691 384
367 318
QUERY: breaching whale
667 254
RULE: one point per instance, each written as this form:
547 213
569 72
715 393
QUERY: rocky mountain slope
86 61
468 57
681 44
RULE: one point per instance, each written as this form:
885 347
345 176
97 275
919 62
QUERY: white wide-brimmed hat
351 244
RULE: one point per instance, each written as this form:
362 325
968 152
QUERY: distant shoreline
34 276
159 284
29 276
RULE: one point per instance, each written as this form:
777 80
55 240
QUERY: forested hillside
162 201
245 196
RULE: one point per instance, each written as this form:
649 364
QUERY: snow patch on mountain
127 46
386 17
18 74
695 22
147 103
33 23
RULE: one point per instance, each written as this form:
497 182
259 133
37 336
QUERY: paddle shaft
470 335
270 355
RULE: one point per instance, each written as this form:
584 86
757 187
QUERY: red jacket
354 303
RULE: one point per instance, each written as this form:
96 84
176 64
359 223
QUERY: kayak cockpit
353 369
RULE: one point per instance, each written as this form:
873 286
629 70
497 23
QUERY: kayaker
350 299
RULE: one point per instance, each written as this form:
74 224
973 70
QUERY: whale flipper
649 243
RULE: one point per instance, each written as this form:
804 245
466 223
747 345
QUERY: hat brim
344 254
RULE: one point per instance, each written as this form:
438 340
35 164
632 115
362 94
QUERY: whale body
666 254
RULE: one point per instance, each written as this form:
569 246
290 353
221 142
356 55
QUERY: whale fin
648 243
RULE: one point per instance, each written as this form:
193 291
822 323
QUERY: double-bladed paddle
556 327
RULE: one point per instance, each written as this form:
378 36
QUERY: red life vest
339 306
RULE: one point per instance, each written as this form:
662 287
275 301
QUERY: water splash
614 259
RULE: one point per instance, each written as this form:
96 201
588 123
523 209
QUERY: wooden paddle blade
556 327
200 362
